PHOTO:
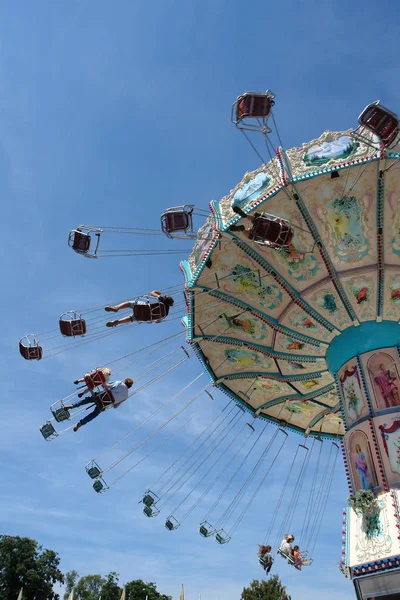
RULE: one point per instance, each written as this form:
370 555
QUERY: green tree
89 587
70 579
273 589
111 589
25 564
138 590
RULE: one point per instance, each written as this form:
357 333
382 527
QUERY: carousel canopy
272 317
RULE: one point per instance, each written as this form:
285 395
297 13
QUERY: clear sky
109 113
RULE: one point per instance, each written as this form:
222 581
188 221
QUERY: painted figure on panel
361 466
384 378
361 461
390 433
386 382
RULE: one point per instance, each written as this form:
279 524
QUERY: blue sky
109 113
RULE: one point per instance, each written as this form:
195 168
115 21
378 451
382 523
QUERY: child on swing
264 553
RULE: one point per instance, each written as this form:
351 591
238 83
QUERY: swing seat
287 557
29 348
171 523
94 379
150 498
264 563
93 470
206 530
104 400
48 432
177 222
253 105
271 231
381 122
150 311
222 537
151 511
100 486
61 414
72 324
80 240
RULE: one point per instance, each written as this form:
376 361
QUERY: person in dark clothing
167 301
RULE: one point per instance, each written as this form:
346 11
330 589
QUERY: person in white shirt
286 545
118 394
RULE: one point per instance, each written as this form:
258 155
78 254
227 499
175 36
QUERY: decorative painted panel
391 305
366 544
382 375
260 390
391 204
300 321
289 367
326 301
361 457
352 390
361 291
237 274
343 212
313 384
286 343
387 430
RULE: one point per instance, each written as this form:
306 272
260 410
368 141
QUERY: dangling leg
87 400
118 307
95 413
122 321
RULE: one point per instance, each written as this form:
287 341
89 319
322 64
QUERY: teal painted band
356 340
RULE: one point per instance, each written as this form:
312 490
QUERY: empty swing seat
48 432
72 324
171 523
271 231
177 221
151 511
150 311
222 537
80 240
100 486
381 122
29 348
94 379
93 470
253 105
206 530
150 498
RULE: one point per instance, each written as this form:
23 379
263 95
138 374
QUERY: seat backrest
103 400
177 221
72 327
255 106
381 122
47 430
30 352
81 241
149 312
277 232
94 379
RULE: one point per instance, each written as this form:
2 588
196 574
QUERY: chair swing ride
289 288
